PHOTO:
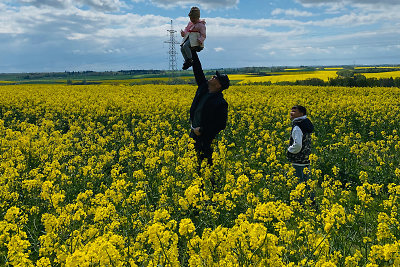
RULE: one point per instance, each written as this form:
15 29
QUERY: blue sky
106 35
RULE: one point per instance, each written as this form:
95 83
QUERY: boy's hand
197 131
182 33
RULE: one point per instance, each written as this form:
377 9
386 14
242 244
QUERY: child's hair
194 12
300 108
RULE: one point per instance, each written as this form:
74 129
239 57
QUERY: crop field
388 74
240 77
296 75
379 67
106 175
291 76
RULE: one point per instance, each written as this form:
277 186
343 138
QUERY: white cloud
340 6
94 37
306 50
389 2
114 51
366 43
353 19
101 5
291 12
104 5
206 4
52 3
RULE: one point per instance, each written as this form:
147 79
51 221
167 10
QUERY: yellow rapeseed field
106 175
379 67
291 76
380 75
241 77
333 68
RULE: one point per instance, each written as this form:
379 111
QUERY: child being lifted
193 37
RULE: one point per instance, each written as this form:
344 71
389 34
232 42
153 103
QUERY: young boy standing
299 148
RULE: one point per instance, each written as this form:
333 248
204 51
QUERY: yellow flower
186 227
363 176
397 172
335 170
161 215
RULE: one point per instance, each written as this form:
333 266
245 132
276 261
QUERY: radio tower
172 50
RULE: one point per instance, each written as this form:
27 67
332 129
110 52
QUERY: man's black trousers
203 148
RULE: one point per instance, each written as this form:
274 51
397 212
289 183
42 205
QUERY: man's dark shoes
188 63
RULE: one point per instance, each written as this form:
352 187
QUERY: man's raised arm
198 70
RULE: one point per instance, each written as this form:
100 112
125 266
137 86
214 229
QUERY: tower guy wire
172 51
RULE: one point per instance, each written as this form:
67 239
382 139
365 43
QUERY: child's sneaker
188 63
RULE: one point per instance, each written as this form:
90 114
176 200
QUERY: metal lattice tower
172 51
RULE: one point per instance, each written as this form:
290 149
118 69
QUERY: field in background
389 74
288 76
378 67
237 76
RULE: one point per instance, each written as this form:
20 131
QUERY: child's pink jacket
198 27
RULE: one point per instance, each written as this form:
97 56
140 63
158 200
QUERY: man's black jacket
215 111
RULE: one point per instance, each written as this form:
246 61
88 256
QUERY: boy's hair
300 108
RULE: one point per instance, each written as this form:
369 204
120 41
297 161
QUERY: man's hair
300 108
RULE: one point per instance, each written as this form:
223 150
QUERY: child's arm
202 31
187 29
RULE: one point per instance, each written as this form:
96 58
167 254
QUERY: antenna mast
172 51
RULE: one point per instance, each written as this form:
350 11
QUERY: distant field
257 75
274 77
293 76
337 68
385 67
292 69
393 74
128 81
290 77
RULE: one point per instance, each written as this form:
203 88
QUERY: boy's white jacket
297 136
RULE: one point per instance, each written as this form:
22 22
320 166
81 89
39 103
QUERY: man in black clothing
209 110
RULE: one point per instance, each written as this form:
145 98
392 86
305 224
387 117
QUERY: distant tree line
253 70
75 74
372 70
170 81
83 82
360 80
